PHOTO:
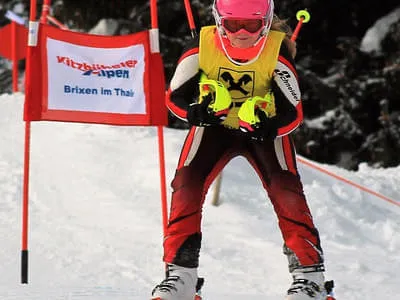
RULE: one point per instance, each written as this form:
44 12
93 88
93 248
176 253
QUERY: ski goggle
250 25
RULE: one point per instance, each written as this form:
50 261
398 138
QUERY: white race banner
90 79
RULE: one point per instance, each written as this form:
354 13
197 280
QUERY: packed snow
96 223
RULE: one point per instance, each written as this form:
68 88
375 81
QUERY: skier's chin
242 43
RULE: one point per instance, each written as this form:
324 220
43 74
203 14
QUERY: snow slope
95 219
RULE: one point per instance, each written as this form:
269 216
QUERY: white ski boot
307 286
179 284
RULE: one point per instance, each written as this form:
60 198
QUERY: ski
329 285
197 297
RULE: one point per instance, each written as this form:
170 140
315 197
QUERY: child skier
248 103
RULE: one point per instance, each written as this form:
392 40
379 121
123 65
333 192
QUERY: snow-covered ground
96 229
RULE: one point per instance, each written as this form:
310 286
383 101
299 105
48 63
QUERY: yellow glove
248 112
221 98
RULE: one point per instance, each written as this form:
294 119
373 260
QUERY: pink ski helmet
244 9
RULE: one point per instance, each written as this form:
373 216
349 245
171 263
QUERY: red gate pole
154 39
14 58
25 206
162 178
25 201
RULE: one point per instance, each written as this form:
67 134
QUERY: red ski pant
205 152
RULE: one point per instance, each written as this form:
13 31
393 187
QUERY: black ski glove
266 129
199 114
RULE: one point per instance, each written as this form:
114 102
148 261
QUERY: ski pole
192 26
189 14
218 179
217 188
303 16
56 22
247 115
